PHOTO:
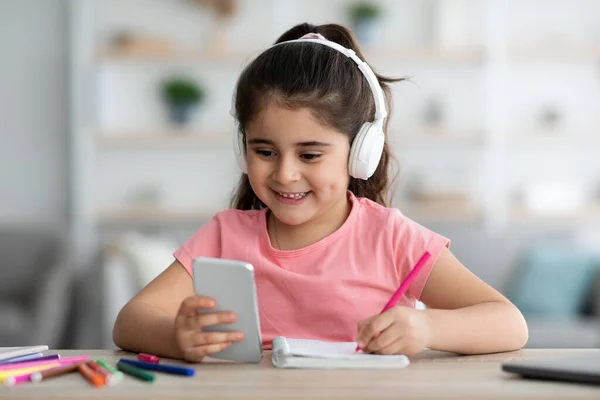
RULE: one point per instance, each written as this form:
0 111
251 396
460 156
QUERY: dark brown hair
323 80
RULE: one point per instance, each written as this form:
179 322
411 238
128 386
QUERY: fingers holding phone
193 342
231 285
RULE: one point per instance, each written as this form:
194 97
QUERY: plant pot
180 113
366 30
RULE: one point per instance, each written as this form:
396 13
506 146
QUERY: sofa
36 286
545 272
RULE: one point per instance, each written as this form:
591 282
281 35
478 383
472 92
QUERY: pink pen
405 285
61 361
151 358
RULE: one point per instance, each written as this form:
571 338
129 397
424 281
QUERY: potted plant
365 16
181 95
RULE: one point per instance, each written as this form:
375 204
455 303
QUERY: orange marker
107 377
93 377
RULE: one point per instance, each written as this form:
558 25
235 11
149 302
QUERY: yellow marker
22 371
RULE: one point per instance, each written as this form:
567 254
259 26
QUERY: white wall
33 111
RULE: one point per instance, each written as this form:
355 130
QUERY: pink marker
17 380
405 285
150 358
29 364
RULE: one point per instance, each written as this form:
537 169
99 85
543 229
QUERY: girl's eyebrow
312 143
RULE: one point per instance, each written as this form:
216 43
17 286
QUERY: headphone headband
368 144
380 110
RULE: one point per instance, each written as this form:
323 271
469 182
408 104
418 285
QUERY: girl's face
296 166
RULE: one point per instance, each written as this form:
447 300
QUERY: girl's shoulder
390 219
373 212
233 225
238 218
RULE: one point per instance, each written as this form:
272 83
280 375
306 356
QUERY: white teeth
293 196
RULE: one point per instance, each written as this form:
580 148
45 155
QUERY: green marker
117 375
135 371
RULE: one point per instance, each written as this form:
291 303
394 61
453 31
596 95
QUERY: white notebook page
343 350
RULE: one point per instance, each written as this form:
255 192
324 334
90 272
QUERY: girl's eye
310 157
265 153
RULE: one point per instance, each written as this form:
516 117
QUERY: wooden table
431 375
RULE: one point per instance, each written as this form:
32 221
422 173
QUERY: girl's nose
287 171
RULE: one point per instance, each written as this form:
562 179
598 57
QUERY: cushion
553 280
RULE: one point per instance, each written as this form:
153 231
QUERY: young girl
310 216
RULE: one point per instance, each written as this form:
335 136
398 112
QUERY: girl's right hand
193 343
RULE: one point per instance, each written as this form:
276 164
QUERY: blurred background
116 145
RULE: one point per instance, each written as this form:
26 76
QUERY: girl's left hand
399 330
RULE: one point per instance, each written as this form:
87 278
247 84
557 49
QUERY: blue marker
169 369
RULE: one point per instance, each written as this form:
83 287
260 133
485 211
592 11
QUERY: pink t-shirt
321 291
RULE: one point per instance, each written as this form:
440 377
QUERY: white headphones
367 147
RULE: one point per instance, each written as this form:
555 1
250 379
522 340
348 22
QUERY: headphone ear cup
353 167
366 151
239 150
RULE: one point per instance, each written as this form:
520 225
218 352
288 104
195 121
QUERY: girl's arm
466 315
146 322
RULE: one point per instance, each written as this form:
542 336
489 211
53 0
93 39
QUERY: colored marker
4 375
106 376
31 359
39 376
169 369
36 363
94 378
34 356
117 375
151 358
17 380
135 372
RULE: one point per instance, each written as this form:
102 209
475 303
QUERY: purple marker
26 359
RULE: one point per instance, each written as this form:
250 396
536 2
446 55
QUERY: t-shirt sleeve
206 242
411 241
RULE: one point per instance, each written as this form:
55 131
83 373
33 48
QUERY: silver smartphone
231 284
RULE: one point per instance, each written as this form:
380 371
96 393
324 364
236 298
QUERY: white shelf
425 54
490 136
556 53
437 136
145 215
559 139
440 211
113 56
589 213
160 139
417 54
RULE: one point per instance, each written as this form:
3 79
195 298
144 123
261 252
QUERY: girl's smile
292 198
297 167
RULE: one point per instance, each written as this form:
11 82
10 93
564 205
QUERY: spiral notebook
305 353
